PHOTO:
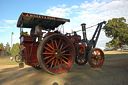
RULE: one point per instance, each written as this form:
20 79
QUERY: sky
90 12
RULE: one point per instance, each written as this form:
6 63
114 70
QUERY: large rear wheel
56 54
96 57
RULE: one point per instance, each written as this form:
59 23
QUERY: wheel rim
18 58
97 58
57 54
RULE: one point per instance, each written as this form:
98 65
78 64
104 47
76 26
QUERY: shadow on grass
10 74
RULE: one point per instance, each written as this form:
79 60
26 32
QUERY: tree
7 48
1 46
117 29
15 49
2 51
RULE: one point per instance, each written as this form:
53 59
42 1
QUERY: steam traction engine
57 51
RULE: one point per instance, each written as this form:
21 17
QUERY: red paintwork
33 59
74 39
27 50
81 48
28 39
28 42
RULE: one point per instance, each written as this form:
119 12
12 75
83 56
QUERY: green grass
109 56
6 61
116 54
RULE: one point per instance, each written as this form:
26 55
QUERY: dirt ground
113 72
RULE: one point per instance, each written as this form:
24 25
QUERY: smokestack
84 31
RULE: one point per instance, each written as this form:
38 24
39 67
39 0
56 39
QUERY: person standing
38 30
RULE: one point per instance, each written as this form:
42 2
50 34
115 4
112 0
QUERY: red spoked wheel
56 54
96 57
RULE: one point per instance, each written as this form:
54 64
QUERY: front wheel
96 57
18 58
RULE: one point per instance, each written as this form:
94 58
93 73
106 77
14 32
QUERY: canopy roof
28 20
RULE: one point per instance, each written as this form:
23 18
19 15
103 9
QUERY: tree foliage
7 48
2 52
15 49
1 46
117 29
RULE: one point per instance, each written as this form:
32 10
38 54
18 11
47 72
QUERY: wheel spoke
61 46
99 57
55 63
67 54
58 64
50 46
61 62
97 52
47 57
65 51
65 47
48 53
52 43
52 64
50 60
56 44
47 49
59 43
93 61
97 62
65 58
65 61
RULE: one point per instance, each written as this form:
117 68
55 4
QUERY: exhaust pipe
84 31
